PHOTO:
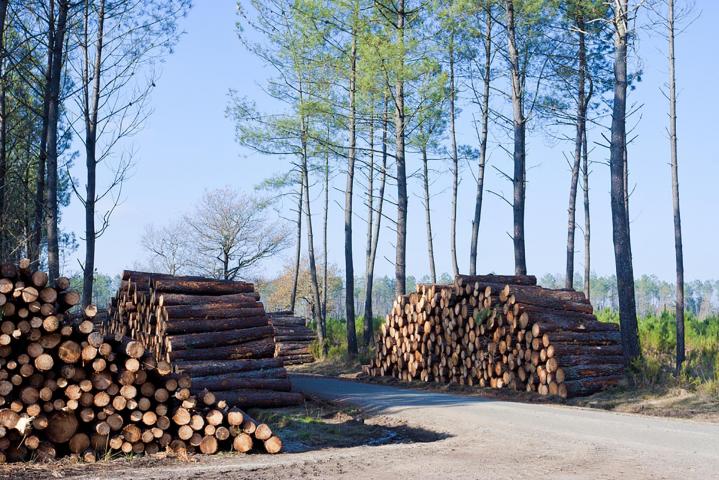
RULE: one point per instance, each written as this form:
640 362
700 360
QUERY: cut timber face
499 331
215 331
66 388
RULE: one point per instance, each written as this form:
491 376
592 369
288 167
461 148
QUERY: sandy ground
456 437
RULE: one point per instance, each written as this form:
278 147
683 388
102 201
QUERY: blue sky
187 146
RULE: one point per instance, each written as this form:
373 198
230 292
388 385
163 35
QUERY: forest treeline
654 295
372 93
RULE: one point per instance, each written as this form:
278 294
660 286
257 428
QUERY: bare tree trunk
578 142
3 133
368 312
349 263
51 220
455 164
679 305
298 248
587 219
520 263
621 237
428 215
40 202
367 323
324 235
399 125
482 140
310 242
91 106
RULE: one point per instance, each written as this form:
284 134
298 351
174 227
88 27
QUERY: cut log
202 368
254 349
198 340
201 325
231 382
259 398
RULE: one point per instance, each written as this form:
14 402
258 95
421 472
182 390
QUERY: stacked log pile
216 331
67 389
499 332
292 338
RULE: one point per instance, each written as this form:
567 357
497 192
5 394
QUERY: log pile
499 332
67 389
216 331
292 338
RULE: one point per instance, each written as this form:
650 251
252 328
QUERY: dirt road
495 439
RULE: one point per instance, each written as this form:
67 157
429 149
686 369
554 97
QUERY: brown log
231 382
61 427
200 286
199 340
167 299
242 443
260 399
255 349
212 310
463 280
589 385
273 445
201 325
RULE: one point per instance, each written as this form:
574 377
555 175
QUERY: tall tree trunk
578 142
520 263
455 161
620 224
298 245
482 140
587 219
310 242
679 305
367 320
91 107
399 126
325 260
368 312
40 179
51 220
428 215
349 263
3 134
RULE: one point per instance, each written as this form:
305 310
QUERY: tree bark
51 219
376 231
482 140
367 320
401 246
578 142
298 248
455 163
91 106
349 263
3 131
678 251
621 237
428 215
325 260
587 219
520 263
310 237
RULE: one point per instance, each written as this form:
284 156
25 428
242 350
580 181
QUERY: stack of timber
67 389
499 331
292 338
216 331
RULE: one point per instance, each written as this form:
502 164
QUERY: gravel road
499 439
